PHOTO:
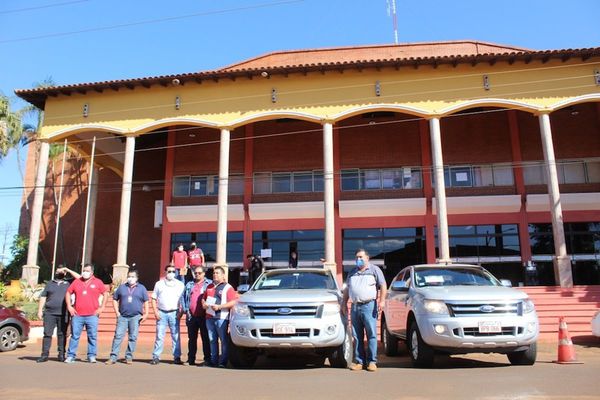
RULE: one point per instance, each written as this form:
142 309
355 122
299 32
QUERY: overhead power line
150 21
64 3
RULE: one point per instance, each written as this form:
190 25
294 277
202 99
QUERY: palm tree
11 130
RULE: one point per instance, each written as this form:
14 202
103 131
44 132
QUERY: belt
362 303
167 311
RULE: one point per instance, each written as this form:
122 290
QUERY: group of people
185 261
205 303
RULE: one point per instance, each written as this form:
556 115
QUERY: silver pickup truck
457 309
292 311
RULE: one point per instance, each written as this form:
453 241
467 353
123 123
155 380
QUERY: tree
11 130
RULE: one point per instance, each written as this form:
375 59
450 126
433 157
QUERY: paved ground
457 377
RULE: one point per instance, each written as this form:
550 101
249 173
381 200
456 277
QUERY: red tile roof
285 62
282 59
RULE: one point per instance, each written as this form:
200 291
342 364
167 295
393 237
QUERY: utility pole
391 9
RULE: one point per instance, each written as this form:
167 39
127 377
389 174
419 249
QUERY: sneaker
70 360
92 360
356 367
222 366
154 361
372 367
177 361
128 361
110 361
42 359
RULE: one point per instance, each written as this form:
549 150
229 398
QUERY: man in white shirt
166 303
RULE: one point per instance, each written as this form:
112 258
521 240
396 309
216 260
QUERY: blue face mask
360 262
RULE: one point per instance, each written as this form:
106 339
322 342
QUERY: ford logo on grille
487 309
284 310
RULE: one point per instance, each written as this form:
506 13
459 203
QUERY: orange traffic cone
566 351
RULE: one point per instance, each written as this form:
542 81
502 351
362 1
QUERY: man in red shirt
218 299
195 256
179 261
196 315
90 299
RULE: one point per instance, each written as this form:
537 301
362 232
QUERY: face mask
360 262
131 280
180 248
59 277
86 275
170 276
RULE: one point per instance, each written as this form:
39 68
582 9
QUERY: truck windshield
454 277
295 280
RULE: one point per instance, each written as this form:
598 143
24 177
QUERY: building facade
453 151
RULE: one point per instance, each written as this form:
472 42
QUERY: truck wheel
421 354
524 357
9 338
341 357
390 342
242 357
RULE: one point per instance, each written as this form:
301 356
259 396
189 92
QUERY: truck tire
421 354
242 357
9 338
524 357
390 342
341 357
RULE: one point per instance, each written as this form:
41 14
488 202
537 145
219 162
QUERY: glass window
455 230
212 185
534 174
303 181
318 181
391 178
572 172
181 186
461 176
503 175
350 180
486 229
370 179
483 176
198 186
362 233
279 235
411 178
262 182
395 232
236 184
282 182
308 234
593 171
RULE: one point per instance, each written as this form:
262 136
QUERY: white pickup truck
457 309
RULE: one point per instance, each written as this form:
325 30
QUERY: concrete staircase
578 305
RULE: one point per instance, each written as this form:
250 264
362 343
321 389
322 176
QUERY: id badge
129 299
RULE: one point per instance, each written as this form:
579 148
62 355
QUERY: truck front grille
307 310
483 309
506 331
305 332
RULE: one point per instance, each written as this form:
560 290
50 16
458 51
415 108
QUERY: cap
193 244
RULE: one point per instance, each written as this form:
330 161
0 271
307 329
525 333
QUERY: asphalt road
456 377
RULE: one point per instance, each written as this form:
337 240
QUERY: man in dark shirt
52 309
130 301
196 315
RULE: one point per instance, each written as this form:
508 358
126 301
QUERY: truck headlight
331 309
528 306
435 307
241 310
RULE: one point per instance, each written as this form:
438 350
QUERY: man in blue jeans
166 304
218 299
196 315
366 288
130 302
85 311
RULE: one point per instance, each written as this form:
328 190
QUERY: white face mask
86 275
131 280
170 276
180 248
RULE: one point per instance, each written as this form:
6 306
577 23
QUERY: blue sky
211 34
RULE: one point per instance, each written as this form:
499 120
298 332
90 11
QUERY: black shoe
61 357
154 361
192 362
42 359
177 361
222 366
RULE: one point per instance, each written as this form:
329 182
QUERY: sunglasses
170 270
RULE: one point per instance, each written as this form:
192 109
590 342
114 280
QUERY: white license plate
490 327
283 329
